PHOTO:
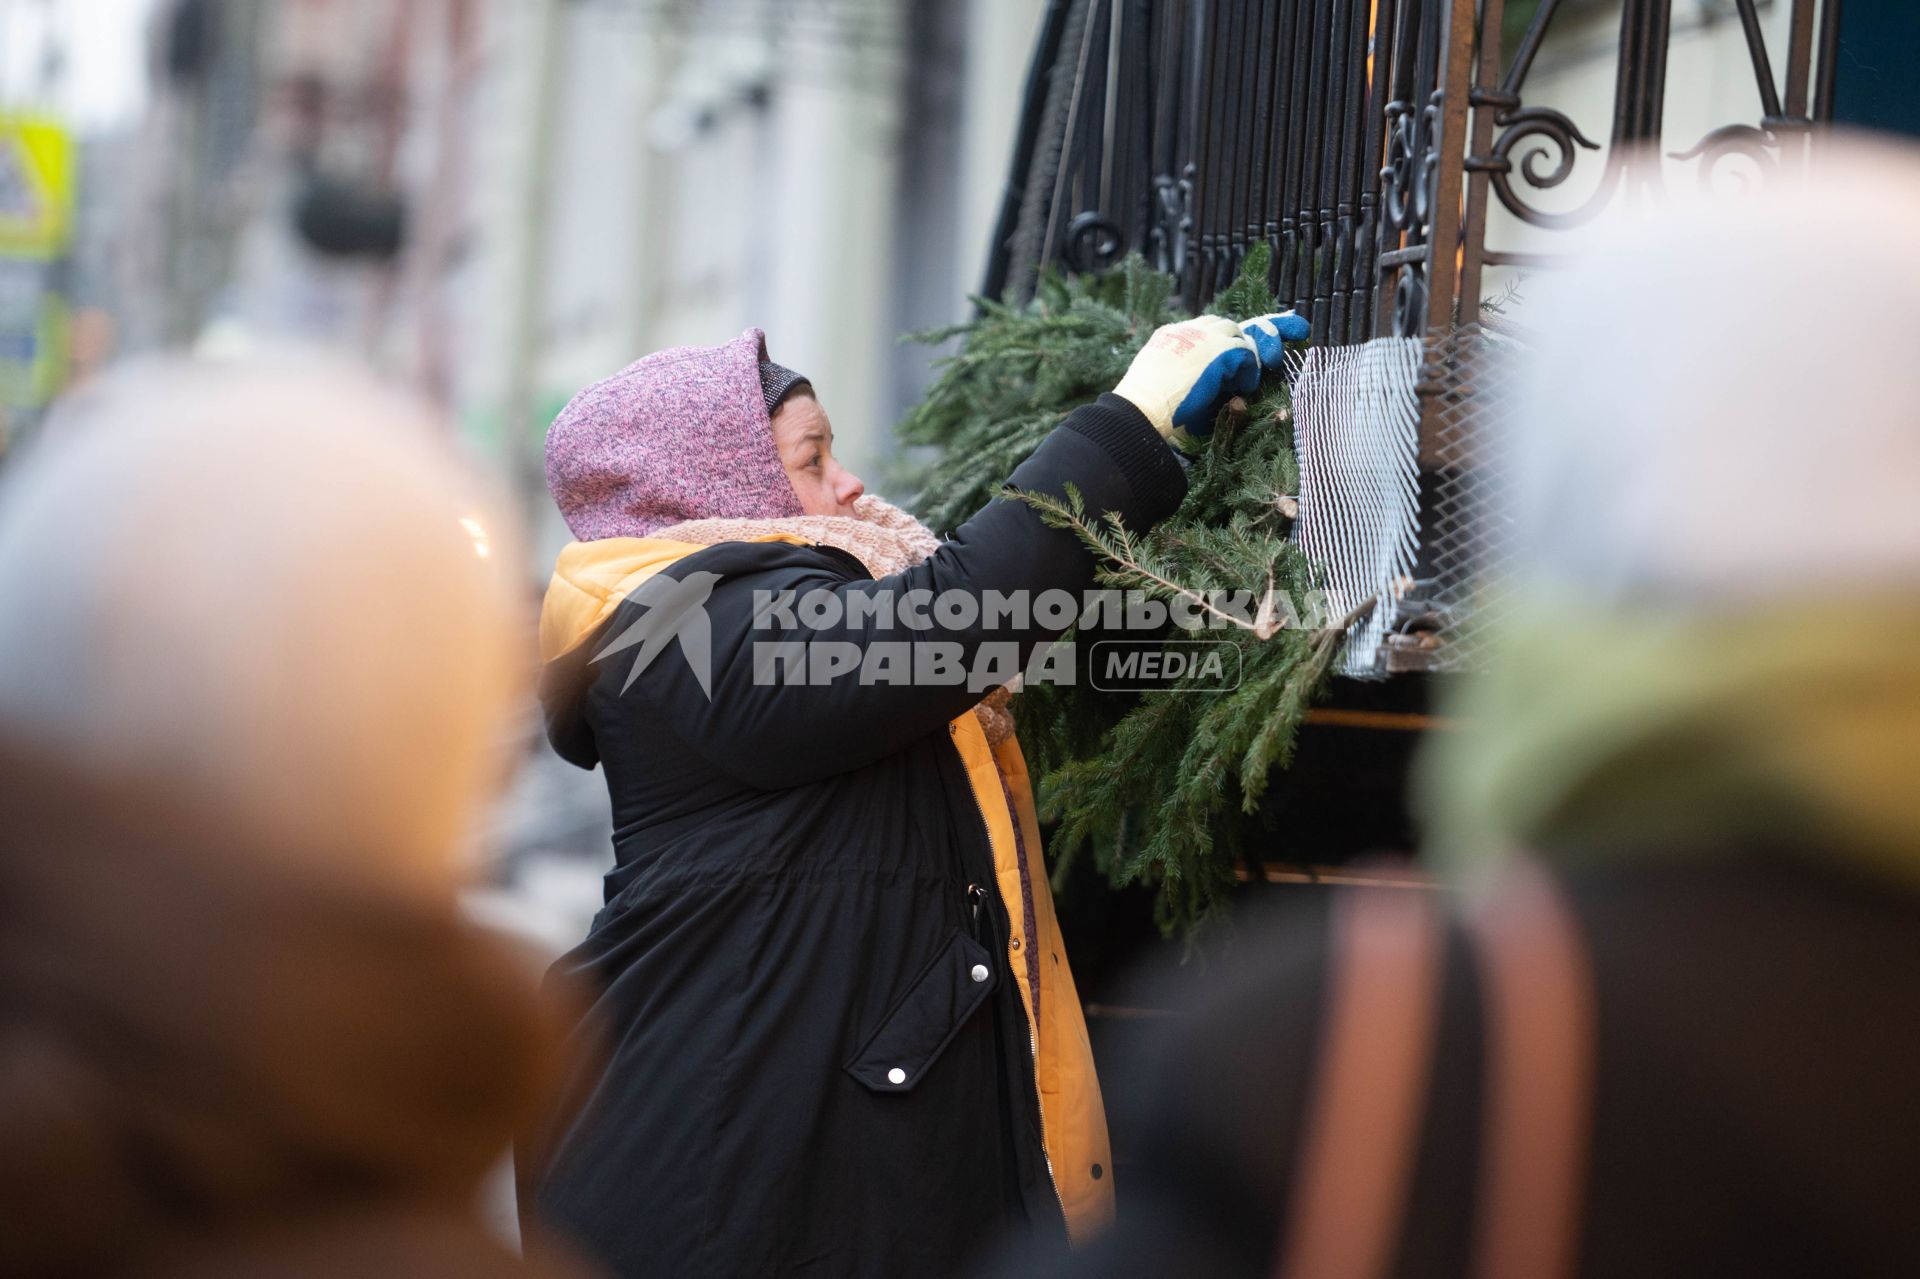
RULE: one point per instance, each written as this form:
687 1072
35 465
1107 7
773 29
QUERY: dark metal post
1444 233
1486 102
1032 97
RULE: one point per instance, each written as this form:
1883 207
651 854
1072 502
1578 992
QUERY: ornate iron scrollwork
1757 147
1428 166
1094 242
1406 189
1638 109
1410 300
1550 126
1339 131
1167 231
1397 179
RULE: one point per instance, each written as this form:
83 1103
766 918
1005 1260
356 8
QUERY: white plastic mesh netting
1356 420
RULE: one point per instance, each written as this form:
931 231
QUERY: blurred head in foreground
1718 539
272 591
1687 1048
258 642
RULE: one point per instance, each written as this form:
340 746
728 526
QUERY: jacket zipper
1033 1037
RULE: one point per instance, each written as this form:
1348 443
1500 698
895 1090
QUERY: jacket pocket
922 1022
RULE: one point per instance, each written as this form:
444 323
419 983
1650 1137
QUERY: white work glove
1186 372
1271 332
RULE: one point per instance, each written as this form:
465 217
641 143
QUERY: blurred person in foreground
844 1035
1670 1028
258 657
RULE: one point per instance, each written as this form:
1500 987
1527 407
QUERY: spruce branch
1116 546
1163 787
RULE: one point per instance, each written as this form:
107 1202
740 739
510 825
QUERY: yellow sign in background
36 228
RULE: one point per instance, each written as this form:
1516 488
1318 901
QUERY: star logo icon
675 609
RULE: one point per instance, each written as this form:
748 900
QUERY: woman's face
804 439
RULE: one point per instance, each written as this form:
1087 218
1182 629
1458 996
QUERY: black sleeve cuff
1158 481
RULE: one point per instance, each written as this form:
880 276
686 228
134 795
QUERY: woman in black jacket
837 1032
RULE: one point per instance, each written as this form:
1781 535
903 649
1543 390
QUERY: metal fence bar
1402 247
1312 185
1134 189
1486 103
1277 147
1449 104
1363 141
1238 96
1799 57
1828 51
1265 51
1762 65
1089 136
1208 60
1294 159
1338 163
1367 228
1353 133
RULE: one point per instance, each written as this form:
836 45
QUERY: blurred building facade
502 200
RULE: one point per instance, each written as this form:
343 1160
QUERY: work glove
1271 332
1186 372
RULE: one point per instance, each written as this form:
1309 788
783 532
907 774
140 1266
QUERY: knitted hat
680 435
776 380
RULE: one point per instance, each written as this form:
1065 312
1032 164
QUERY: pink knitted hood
680 435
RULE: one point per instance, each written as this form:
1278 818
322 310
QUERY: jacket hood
590 581
682 434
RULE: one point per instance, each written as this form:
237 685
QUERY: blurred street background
496 202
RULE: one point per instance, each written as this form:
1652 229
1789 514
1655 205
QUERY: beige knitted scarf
880 535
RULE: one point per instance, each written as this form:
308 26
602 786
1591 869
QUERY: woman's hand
1186 372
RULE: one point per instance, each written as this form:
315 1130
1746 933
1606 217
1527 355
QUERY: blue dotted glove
1186 372
1271 332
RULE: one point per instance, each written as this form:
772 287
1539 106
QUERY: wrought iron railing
1363 140
1366 142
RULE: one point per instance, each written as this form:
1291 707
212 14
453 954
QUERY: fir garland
1163 787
